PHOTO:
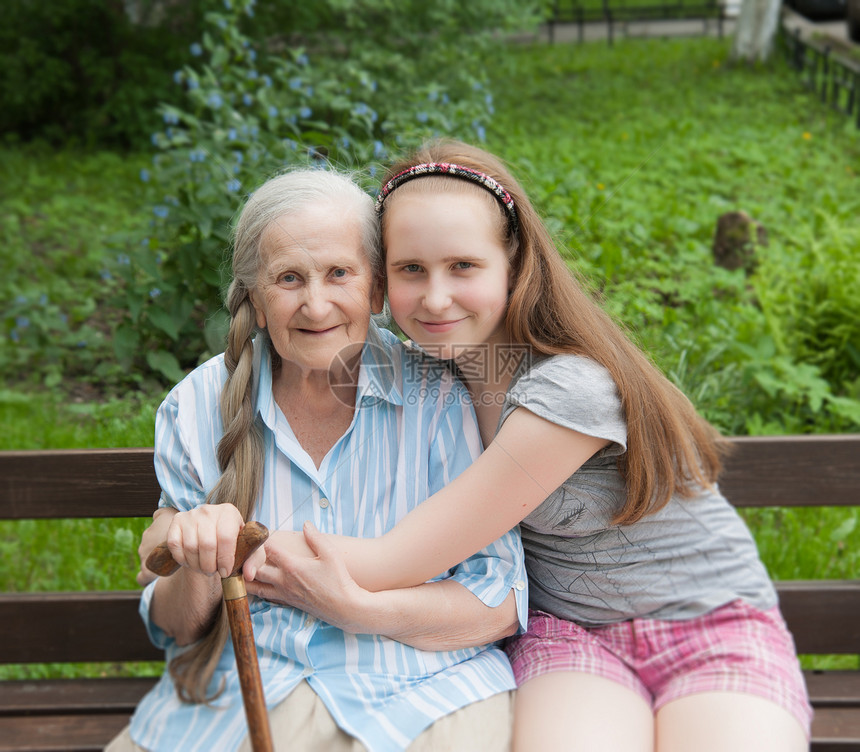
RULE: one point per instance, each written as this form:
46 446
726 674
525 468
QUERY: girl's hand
152 536
311 577
204 539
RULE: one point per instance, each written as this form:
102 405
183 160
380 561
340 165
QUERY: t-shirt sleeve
576 393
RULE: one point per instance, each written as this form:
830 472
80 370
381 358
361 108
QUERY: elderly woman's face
315 290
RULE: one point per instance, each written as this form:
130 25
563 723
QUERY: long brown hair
670 448
240 449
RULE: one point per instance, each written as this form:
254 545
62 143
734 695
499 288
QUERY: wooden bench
83 714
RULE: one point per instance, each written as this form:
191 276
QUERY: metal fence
835 78
612 12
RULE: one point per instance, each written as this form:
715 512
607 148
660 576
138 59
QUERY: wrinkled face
447 271
315 289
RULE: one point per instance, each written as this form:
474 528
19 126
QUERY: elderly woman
315 414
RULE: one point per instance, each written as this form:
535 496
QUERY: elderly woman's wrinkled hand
307 572
204 538
152 536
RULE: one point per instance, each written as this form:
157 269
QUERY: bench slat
763 471
60 733
823 615
57 627
66 696
833 688
67 483
835 729
793 471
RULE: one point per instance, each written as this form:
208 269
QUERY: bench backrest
763 471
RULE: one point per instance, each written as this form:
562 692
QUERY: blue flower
196 50
231 134
302 59
374 86
14 336
227 4
267 80
290 144
178 77
305 112
309 91
64 318
344 142
247 99
253 55
255 131
252 74
21 299
378 149
154 293
124 260
273 111
295 83
154 139
193 83
82 343
445 98
433 95
105 275
372 171
144 175
238 156
233 185
361 109
160 211
481 132
22 322
222 23
43 299
170 118
422 117
215 101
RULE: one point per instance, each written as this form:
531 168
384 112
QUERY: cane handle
251 537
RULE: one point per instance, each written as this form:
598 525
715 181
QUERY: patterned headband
455 171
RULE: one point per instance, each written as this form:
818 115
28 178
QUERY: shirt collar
378 375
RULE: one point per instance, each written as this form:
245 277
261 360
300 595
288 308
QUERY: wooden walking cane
253 535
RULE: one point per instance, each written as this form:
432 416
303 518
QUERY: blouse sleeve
499 568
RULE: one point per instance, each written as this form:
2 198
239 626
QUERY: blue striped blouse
413 431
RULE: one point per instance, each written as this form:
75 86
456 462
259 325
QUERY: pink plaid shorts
734 648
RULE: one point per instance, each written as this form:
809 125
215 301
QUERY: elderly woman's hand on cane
206 540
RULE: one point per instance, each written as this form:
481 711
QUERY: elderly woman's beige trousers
302 723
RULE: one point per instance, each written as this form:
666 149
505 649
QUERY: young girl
654 623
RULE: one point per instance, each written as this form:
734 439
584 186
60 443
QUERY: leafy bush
82 70
367 78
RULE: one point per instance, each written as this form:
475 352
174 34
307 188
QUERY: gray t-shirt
680 562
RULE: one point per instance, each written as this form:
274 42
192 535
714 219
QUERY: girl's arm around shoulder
529 458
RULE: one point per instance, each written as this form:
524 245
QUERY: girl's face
447 271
